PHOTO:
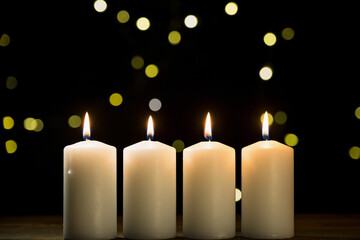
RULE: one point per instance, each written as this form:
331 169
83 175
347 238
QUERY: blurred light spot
137 62
30 124
8 122
266 73
151 71
4 40
123 16
288 33
174 37
39 126
231 8
269 39
280 117
357 112
178 145
74 121
100 5
291 139
271 118
354 152
237 194
191 21
116 99
155 104
11 82
143 23
10 146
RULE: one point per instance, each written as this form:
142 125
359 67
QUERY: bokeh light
137 62
10 146
357 112
155 104
354 152
151 71
280 117
270 39
237 194
179 145
4 40
231 8
191 21
271 118
123 16
174 37
39 125
11 82
74 121
100 5
115 99
291 139
288 33
8 122
143 24
265 73
30 124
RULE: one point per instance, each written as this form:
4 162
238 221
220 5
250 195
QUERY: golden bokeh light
174 37
231 8
115 99
354 152
269 39
8 122
237 195
151 71
270 117
11 82
39 125
280 117
123 16
137 62
143 24
4 40
179 145
265 73
288 33
10 146
191 21
100 5
30 124
357 112
74 121
291 139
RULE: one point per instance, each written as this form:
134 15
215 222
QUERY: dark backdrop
68 59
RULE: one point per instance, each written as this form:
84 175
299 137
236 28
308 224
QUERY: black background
68 59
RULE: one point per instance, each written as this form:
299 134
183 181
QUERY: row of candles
149 189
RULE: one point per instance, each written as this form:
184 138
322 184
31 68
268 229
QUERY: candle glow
265 127
150 129
207 131
86 129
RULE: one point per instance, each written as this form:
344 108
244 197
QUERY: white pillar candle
90 189
209 189
149 206
267 179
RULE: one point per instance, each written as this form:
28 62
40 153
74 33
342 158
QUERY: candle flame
207 131
86 128
150 129
265 127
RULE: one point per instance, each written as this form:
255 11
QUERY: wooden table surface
307 226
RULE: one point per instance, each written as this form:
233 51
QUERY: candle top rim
267 144
211 145
90 144
149 145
